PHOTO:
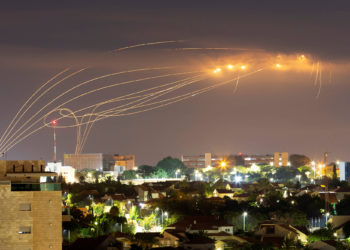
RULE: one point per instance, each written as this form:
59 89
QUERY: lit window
25 230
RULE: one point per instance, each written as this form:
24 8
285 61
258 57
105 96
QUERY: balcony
35 186
30 174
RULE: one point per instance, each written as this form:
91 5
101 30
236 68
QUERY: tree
285 174
134 213
170 165
346 229
149 221
114 211
343 207
129 175
299 160
322 234
146 170
159 173
311 205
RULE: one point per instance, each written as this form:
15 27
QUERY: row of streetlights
163 214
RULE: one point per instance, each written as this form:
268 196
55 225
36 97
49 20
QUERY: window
25 207
270 230
25 230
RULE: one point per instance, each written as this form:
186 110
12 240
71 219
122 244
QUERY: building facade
344 171
94 161
31 211
67 172
258 160
202 161
125 162
281 159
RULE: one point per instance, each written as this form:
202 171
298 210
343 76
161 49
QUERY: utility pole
54 123
325 155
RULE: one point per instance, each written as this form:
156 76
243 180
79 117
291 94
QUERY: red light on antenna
54 122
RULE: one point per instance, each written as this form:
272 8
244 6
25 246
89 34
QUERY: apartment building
31 211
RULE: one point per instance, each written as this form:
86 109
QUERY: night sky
270 111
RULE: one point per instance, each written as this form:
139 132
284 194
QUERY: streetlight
244 215
166 215
238 178
96 224
163 214
223 165
157 209
176 172
195 174
200 176
298 176
327 214
320 166
314 168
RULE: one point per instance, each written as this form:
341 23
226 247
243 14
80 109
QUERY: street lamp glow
301 58
238 179
208 168
244 215
177 172
298 176
243 67
254 168
229 66
327 215
223 164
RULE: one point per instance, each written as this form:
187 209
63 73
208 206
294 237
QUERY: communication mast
326 198
54 123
